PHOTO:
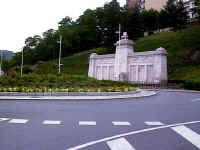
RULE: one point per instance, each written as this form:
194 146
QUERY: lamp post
116 75
119 32
60 52
22 62
1 63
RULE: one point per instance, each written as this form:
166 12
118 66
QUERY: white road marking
196 100
4 119
120 144
154 123
188 134
87 123
51 122
119 123
129 133
20 121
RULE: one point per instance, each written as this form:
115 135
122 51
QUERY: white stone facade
127 65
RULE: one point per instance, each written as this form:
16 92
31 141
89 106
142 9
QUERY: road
167 121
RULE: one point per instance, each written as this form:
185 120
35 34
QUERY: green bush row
14 82
67 89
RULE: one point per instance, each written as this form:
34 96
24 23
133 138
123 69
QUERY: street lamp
119 32
59 60
1 62
22 62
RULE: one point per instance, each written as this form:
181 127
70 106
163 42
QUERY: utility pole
1 63
117 77
119 35
22 62
59 60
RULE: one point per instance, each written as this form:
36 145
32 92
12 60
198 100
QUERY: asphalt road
150 123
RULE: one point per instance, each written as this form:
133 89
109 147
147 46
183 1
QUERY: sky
20 19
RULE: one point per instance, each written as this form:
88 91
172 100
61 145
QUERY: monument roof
104 56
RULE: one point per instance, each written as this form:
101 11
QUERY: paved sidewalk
141 93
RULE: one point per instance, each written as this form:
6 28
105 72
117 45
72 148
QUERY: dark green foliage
55 81
177 15
196 9
150 20
132 22
163 19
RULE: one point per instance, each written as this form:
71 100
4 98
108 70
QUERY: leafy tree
163 19
32 42
67 21
89 33
196 10
150 20
177 15
108 19
132 22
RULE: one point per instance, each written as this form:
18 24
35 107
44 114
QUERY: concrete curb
67 93
140 93
173 90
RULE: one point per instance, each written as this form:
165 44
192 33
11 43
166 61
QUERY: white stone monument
126 65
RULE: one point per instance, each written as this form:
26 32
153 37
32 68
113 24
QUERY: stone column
160 65
91 72
124 48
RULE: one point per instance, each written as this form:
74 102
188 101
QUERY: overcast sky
20 19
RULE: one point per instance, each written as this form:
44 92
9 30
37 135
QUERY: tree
163 19
88 29
177 15
150 20
132 22
32 42
108 19
196 10
67 21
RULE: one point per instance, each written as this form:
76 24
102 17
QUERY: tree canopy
97 28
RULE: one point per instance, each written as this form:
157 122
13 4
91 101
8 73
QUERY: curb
173 90
67 93
138 94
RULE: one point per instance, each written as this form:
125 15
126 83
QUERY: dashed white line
4 119
87 123
154 123
127 134
18 121
51 122
119 123
120 144
188 134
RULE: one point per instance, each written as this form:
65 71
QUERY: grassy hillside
183 49
76 64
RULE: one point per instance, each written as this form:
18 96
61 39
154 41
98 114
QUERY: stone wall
148 67
102 67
